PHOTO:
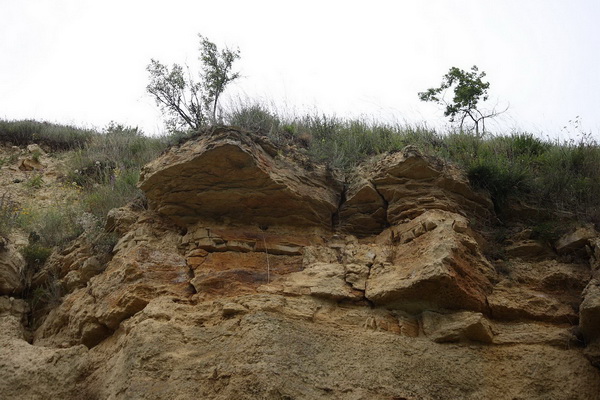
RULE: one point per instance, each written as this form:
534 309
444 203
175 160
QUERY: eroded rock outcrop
433 263
228 177
255 274
12 266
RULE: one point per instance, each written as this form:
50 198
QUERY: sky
84 62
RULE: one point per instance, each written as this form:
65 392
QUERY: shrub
35 254
53 226
119 148
35 182
56 136
123 189
500 179
254 117
44 298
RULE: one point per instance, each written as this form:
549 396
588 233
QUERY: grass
55 136
52 226
558 175
103 166
35 182
107 169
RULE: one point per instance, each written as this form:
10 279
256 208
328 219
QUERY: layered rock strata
255 274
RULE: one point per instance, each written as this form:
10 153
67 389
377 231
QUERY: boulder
529 249
411 183
35 148
30 164
323 280
512 302
227 176
431 266
456 327
575 241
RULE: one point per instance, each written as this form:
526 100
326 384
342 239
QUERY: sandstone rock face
456 327
364 211
139 273
12 266
402 186
433 263
412 184
544 290
254 274
590 311
228 177
576 240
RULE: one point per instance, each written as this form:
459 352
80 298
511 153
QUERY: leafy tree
190 103
469 88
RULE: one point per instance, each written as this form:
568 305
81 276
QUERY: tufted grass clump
36 254
36 181
52 226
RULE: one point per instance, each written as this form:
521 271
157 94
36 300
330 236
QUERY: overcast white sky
84 62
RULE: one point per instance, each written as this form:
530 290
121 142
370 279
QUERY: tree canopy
469 89
186 102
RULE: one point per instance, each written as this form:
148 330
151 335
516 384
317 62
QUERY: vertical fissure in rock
385 204
335 218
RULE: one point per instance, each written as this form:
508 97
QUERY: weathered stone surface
119 220
364 211
509 333
226 176
575 241
13 317
233 273
340 301
549 275
431 269
529 249
37 373
589 311
324 280
12 266
410 184
511 302
460 326
190 343
129 282
592 353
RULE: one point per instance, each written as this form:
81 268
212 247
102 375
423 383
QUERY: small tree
185 101
469 89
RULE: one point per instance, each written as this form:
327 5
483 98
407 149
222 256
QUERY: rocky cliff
254 273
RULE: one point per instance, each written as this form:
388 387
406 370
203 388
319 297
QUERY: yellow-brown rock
227 176
431 266
255 274
12 266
